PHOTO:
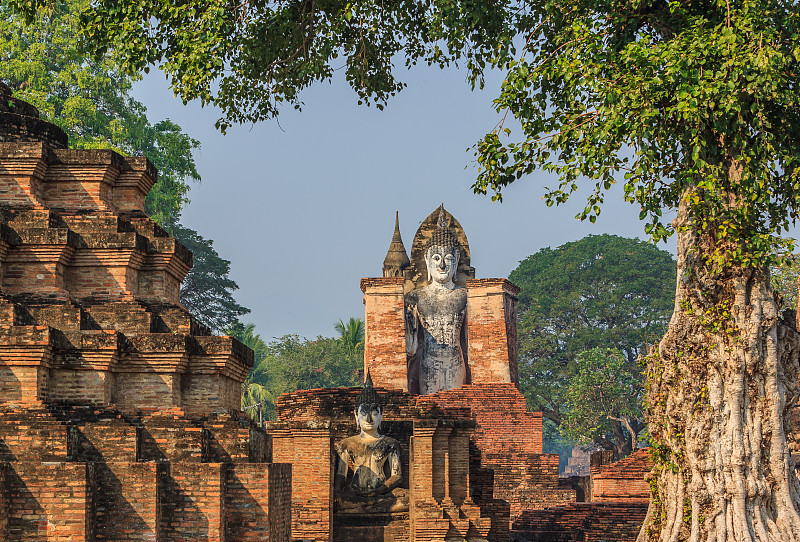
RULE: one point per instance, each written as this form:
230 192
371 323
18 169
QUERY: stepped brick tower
119 412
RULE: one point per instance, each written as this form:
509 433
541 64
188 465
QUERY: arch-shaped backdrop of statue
418 273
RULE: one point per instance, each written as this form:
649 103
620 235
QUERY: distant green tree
91 102
294 363
351 333
604 402
207 289
603 291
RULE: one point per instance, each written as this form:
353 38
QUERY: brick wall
307 447
109 439
160 390
385 332
127 501
31 434
581 522
172 438
624 480
254 496
50 502
492 330
4 503
503 423
193 502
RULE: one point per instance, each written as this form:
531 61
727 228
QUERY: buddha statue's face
442 264
368 418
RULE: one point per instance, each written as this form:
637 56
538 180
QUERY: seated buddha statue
368 471
435 315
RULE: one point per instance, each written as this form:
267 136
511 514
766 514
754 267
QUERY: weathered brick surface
4 502
171 438
503 421
50 502
31 434
623 481
492 331
193 508
230 440
109 439
384 334
581 522
308 448
119 413
382 527
253 497
127 501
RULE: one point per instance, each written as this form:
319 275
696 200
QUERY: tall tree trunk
720 387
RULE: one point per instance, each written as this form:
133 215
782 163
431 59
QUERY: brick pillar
129 496
307 447
385 332
421 462
492 330
22 170
51 501
258 502
194 502
427 520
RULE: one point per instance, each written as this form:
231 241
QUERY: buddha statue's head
441 253
368 412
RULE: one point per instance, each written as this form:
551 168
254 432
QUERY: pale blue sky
305 209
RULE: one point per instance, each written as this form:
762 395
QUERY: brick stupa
119 412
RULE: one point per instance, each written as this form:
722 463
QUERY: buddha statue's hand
380 490
348 494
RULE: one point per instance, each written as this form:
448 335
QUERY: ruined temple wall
582 522
504 424
384 332
118 409
128 500
253 502
308 448
492 331
193 502
51 502
624 480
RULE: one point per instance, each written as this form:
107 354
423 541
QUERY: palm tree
351 333
246 334
255 399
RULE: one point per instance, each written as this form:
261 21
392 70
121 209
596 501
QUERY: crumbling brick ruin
119 412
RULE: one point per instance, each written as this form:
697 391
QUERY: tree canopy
602 291
91 101
604 400
251 58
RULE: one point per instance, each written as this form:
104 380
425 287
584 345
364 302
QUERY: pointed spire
396 261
